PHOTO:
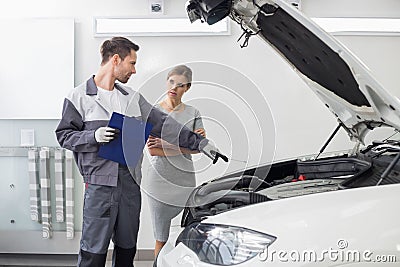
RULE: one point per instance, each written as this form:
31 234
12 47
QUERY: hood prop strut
389 168
329 140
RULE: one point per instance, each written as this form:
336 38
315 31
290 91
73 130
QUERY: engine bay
293 178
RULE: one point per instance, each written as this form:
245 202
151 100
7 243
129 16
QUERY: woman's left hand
155 142
201 131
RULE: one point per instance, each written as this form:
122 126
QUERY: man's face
126 67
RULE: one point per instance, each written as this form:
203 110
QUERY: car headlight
223 244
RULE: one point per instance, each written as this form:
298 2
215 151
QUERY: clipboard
127 148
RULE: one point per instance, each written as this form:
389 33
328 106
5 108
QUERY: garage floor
108 264
26 260
136 264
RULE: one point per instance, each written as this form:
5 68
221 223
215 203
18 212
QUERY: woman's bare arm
158 147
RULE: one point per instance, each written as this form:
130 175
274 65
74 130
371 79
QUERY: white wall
301 124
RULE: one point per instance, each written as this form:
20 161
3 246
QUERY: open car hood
336 76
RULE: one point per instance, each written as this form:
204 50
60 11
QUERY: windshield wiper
380 147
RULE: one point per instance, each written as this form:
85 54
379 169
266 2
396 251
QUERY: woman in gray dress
171 176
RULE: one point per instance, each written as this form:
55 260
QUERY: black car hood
335 75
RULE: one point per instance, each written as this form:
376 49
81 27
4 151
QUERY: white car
325 211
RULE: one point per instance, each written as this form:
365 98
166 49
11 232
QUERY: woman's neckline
179 108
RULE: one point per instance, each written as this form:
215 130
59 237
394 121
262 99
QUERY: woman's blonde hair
181 70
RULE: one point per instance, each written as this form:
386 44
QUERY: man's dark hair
117 45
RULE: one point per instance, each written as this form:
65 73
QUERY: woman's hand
201 131
159 147
155 142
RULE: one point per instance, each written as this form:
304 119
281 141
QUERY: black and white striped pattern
59 183
69 194
45 192
34 188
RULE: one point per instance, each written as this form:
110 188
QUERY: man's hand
105 134
212 152
219 155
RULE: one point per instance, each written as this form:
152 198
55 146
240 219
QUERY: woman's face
177 85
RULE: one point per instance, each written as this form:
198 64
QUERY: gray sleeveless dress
171 179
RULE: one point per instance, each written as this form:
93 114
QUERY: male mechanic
112 198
